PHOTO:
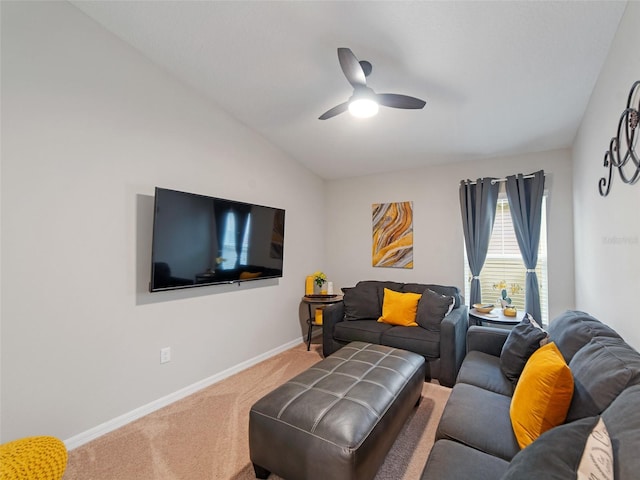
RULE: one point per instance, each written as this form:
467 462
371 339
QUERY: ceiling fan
364 102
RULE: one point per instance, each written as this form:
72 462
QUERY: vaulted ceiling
499 78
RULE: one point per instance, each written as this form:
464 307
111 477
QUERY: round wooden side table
312 300
496 316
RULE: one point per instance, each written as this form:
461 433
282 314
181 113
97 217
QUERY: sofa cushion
399 308
573 329
380 286
454 461
542 396
623 423
369 331
432 308
601 369
364 301
524 339
483 370
417 340
441 289
555 455
480 419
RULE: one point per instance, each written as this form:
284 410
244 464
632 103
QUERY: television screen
200 240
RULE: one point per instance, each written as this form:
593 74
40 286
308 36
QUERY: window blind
504 268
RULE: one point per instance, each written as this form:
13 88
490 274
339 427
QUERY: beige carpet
205 436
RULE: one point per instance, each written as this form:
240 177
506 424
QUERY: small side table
312 300
496 317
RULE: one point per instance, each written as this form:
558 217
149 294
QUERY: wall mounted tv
200 240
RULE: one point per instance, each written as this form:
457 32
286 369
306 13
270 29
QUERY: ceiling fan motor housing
363 93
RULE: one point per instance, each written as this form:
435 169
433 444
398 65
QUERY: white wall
89 127
438 250
607 229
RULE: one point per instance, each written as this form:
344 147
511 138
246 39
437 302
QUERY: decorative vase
308 285
319 289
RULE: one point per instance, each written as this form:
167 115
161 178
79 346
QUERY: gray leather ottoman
339 418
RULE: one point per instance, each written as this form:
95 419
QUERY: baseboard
122 420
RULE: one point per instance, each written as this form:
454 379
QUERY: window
504 265
229 252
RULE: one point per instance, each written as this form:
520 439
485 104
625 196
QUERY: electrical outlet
165 354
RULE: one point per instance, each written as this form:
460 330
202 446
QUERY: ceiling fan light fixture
365 102
363 107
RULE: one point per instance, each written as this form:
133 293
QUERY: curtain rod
501 180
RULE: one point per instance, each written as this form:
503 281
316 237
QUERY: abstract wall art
392 235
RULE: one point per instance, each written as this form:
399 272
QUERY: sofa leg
261 472
418 401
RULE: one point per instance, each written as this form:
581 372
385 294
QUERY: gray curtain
525 203
478 207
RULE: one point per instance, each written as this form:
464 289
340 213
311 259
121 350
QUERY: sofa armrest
486 339
331 315
453 339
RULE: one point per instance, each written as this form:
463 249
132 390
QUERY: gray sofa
440 338
475 439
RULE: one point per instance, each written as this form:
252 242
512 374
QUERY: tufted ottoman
339 418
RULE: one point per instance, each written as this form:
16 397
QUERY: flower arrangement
502 286
319 278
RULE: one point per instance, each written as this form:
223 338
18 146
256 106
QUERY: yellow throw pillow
542 396
399 308
248 275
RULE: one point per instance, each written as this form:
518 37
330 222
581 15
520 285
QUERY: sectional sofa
475 438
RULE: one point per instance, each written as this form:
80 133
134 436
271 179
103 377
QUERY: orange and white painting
392 235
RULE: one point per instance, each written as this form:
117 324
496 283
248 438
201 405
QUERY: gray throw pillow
523 340
555 455
432 308
361 302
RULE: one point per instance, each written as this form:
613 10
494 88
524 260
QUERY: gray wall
89 128
607 230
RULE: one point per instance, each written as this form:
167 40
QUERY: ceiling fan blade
337 110
400 101
351 68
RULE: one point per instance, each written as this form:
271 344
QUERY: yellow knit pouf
33 458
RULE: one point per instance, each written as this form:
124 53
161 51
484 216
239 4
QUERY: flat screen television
200 240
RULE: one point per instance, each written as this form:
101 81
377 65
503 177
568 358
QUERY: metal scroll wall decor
628 164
